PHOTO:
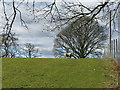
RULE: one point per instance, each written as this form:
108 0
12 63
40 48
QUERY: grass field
57 73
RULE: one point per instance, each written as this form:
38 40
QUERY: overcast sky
36 34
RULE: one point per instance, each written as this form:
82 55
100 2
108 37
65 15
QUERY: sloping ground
58 73
0 73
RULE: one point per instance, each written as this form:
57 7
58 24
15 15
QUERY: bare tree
9 41
83 40
62 13
68 12
30 51
8 45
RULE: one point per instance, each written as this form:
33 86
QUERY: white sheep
69 55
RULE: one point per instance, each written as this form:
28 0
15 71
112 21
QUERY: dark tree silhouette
82 39
30 51
8 45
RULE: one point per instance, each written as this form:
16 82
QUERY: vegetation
57 16
8 45
30 51
58 73
83 40
0 73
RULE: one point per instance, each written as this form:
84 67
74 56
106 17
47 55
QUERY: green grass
0 73
57 73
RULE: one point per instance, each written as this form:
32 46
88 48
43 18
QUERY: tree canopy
57 14
83 40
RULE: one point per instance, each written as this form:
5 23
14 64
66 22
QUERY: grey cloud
40 38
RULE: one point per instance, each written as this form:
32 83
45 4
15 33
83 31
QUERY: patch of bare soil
116 68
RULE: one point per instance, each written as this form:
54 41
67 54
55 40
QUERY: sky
35 34
72 0
42 39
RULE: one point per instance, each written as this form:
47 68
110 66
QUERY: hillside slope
57 73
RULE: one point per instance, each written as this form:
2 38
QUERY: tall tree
83 40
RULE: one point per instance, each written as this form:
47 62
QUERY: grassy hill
58 73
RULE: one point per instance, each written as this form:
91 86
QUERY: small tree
82 39
30 51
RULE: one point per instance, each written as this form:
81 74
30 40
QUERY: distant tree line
11 49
